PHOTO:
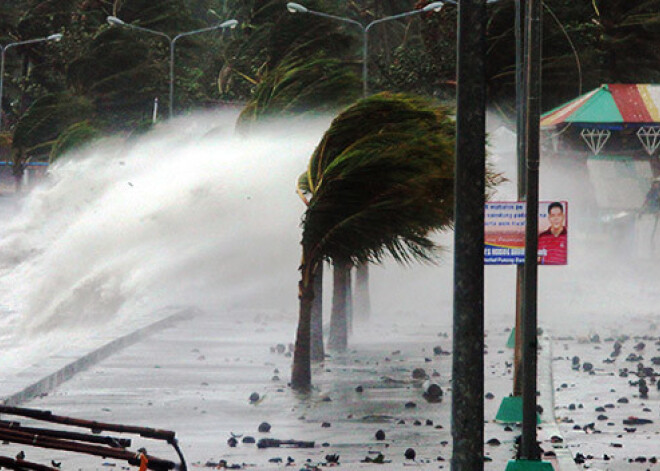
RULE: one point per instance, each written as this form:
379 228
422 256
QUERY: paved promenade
195 375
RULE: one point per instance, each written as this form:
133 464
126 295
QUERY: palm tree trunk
338 339
301 372
18 169
362 305
317 354
18 184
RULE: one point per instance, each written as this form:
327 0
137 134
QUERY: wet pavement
607 399
197 376
212 380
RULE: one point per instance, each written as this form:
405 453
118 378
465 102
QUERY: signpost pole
520 152
528 448
467 413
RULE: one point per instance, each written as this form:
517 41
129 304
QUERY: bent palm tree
380 181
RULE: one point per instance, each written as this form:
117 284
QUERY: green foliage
584 44
73 137
120 75
317 85
46 118
271 37
121 72
380 180
630 32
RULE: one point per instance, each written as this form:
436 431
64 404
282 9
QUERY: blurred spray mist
609 282
193 214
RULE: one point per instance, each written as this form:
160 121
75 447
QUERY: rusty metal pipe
157 464
115 442
96 427
20 465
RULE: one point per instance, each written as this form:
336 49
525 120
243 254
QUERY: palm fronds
74 136
381 179
299 86
48 116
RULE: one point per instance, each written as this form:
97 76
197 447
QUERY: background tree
116 72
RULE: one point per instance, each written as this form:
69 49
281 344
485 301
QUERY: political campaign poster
505 233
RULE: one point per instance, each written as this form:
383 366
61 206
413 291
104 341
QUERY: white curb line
547 401
52 381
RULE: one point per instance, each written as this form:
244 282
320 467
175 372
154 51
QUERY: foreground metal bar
468 361
9 463
96 427
132 458
528 447
81 437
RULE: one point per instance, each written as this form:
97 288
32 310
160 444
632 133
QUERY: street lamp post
435 6
3 51
114 21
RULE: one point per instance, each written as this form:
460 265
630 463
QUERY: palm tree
380 181
300 85
37 129
270 37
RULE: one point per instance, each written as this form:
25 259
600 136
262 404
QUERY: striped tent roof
610 104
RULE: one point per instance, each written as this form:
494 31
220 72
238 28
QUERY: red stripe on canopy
630 103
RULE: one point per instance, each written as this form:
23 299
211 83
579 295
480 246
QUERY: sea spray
191 213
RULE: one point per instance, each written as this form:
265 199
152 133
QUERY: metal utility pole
528 447
468 346
3 52
522 191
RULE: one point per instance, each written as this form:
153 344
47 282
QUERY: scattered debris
264 427
275 443
419 373
410 454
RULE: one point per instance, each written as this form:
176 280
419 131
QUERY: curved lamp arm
298 8
3 50
114 21
227 24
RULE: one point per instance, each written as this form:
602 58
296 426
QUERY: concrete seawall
53 379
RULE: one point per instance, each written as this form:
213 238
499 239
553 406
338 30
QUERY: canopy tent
612 107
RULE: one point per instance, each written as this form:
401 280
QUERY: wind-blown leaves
48 116
319 85
381 179
74 136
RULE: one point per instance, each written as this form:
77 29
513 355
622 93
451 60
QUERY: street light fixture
114 21
3 50
431 7
296 8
